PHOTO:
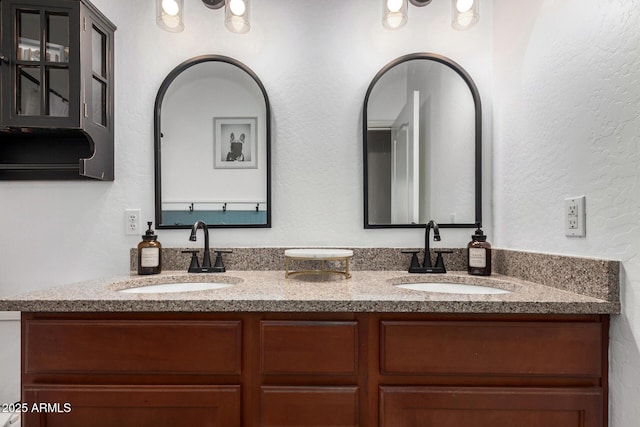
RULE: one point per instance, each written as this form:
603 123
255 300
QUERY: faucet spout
206 260
436 237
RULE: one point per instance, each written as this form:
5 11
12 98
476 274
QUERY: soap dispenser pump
149 253
479 254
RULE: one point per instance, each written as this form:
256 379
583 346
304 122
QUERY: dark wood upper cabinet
56 75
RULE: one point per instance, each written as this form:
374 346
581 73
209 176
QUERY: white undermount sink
175 287
453 288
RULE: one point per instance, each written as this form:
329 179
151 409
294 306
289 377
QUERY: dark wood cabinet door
41 82
485 348
112 347
309 347
490 407
131 406
309 406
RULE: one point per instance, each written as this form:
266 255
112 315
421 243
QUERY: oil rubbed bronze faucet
427 266
206 267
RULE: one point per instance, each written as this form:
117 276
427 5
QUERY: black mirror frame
478 139
157 138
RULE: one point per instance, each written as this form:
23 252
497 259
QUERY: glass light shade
170 15
236 16
394 13
464 14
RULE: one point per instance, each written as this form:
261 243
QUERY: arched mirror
212 137
422 133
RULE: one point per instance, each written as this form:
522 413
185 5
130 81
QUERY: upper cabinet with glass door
57 90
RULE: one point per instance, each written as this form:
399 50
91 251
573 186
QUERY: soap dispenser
149 253
479 254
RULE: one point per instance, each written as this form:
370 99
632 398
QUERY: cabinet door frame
10 117
77 404
100 165
453 406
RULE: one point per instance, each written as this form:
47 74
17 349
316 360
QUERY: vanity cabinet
309 373
56 75
490 407
80 405
491 372
316 369
132 371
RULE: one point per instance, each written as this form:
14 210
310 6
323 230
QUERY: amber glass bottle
479 254
149 253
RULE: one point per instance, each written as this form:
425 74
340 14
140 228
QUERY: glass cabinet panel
58 93
43 80
99 97
28 91
98 44
57 38
28 77
28 36
99 84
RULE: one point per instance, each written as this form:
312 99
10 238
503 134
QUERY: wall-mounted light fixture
170 15
236 16
394 13
464 14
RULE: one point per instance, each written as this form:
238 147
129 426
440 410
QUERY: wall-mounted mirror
212 136
422 133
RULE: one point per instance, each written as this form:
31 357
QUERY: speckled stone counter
597 278
270 291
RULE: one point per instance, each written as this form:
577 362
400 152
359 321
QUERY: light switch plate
575 217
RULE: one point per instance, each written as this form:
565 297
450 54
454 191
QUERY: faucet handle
219 264
440 259
414 259
194 266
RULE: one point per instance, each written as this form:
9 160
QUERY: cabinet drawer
132 406
309 406
309 347
132 346
490 348
490 407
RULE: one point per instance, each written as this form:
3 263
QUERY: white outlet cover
132 222
575 217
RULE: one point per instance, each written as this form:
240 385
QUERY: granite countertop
270 291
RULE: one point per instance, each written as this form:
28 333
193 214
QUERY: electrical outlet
575 217
132 221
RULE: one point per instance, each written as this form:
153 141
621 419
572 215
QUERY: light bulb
394 20
465 21
237 7
394 5
464 5
169 15
394 13
237 17
172 22
170 7
464 14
